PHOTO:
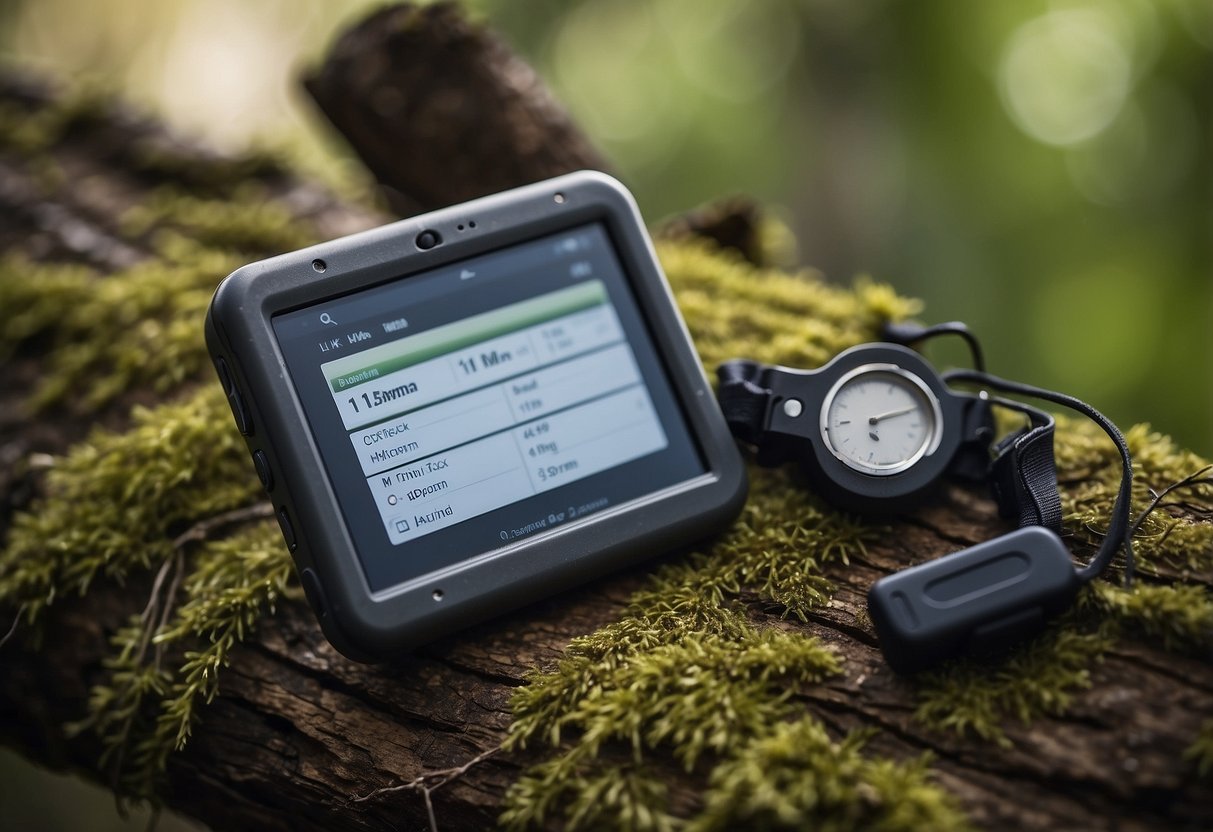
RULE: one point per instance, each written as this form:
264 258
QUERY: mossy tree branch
607 700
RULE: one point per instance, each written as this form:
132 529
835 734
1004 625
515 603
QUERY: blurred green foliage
1039 169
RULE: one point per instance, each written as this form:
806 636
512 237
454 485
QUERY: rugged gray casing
365 625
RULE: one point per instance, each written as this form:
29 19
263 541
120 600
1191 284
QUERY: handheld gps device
462 412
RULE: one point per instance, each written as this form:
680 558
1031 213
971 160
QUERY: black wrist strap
744 399
1022 473
1118 533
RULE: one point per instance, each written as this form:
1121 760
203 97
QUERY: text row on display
506 467
382 382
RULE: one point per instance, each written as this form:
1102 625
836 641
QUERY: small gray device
460 413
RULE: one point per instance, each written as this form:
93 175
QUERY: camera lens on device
428 239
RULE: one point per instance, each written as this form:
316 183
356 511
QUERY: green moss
628 796
1169 539
115 502
703 693
1200 752
1179 614
168 662
234 584
35 297
775 550
243 220
599 697
796 777
162 160
32 130
148 497
139 327
1036 679
734 309
132 501
147 320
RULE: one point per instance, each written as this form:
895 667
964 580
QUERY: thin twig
1189 481
149 611
196 533
429 808
202 529
422 783
13 629
443 776
159 607
1192 480
167 608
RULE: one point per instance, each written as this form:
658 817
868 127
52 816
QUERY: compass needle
879 392
903 411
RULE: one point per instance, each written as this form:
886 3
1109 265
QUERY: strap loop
1118 533
1023 474
743 401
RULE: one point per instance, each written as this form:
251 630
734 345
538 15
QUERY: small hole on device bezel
438 595
319 265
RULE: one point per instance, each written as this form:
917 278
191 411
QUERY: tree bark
298 733
441 111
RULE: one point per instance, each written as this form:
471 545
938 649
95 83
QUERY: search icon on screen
326 318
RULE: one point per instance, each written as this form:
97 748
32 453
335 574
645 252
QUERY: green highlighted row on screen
377 362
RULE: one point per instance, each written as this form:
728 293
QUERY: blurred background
1040 170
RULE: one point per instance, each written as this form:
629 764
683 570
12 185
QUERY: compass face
880 419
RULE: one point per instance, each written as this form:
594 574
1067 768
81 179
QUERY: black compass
875 428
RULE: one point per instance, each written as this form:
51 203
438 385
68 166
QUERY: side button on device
243 420
288 530
239 411
225 377
315 595
262 463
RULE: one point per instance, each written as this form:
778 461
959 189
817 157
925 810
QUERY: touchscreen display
463 409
